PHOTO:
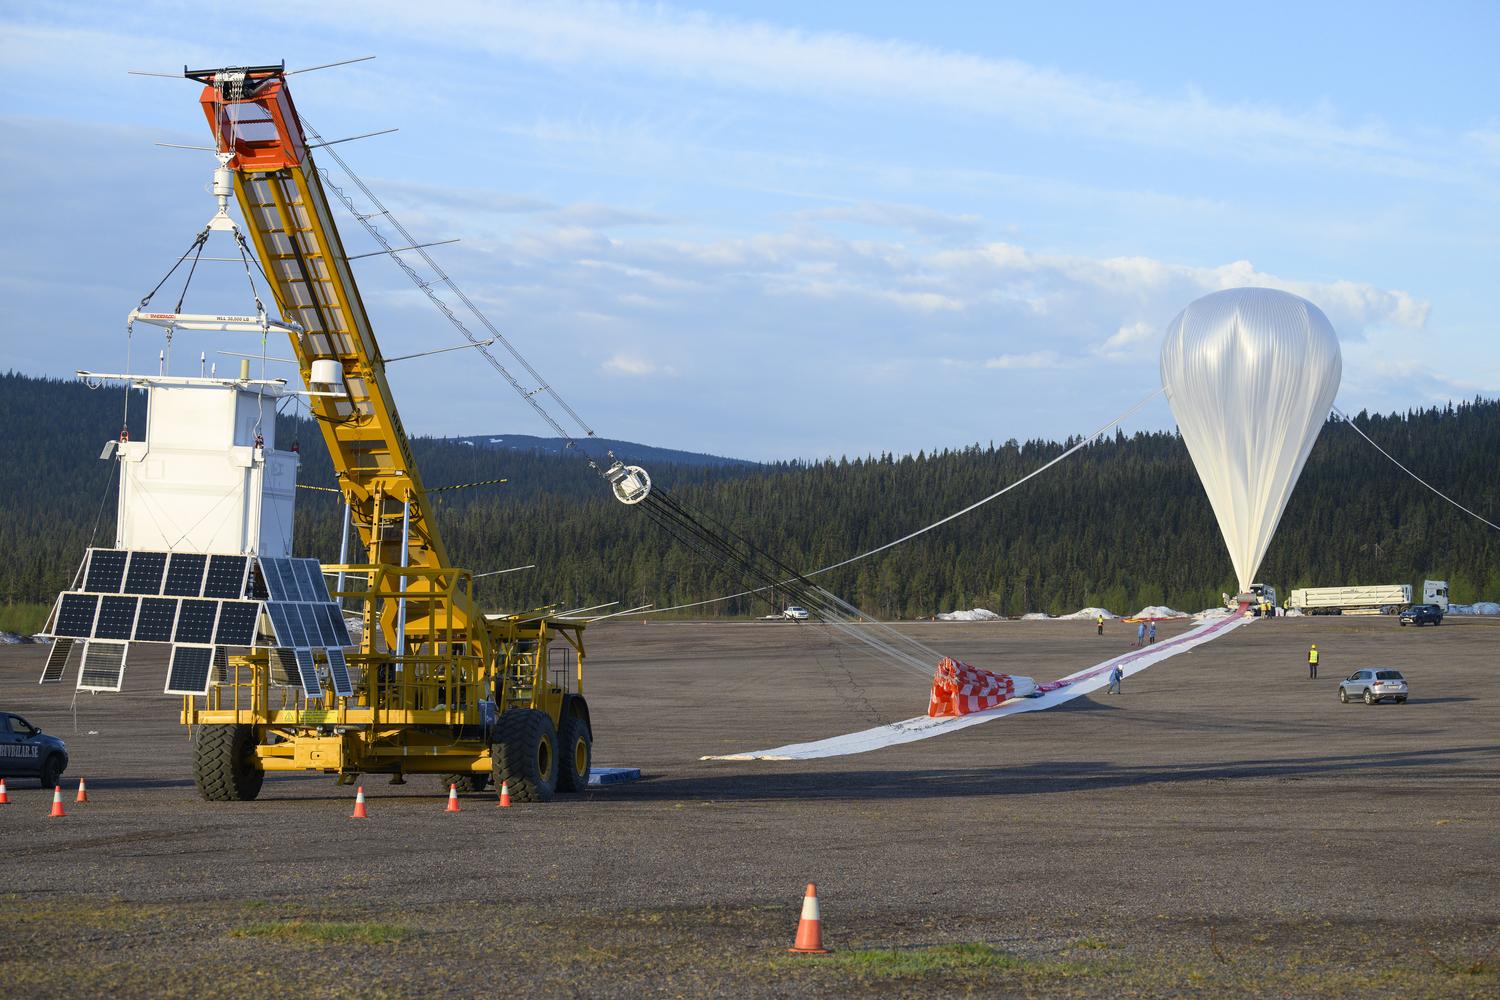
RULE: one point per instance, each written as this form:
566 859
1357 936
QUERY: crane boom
289 220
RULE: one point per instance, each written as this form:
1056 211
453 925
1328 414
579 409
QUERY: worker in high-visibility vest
1101 624
1312 663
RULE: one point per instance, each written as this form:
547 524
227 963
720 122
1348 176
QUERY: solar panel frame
144 572
156 619
184 574
102 667
226 577
195 621
236 625
106 570
57 661
190 670
307 673
116 618
338 670
76 614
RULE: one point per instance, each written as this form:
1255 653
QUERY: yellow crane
444 689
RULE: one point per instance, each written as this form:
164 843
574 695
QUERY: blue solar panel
106 571
226 577
307 673
143 576
237 623
76 615
116 617
310 580
195 622
190 669
185 574
338 669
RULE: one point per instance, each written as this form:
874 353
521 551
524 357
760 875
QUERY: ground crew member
1140 634
1116 677
1312 663
1152 633
1101 624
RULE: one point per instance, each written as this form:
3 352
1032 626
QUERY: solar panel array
200 603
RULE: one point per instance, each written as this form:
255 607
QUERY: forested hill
1122 524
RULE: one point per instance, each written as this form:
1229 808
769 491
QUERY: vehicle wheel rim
580 757
544 758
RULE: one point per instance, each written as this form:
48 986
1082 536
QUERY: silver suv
1372 685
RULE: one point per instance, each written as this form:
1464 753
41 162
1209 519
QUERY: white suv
1374 684
796 614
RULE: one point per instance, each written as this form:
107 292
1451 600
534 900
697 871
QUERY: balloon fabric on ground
1251 374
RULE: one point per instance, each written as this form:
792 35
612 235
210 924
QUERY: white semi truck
1384 599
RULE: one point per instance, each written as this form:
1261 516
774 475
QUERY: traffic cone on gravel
359 804
453 798
57 809
504 795
4 796
810 927
83 793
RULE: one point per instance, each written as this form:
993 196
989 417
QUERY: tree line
1122 524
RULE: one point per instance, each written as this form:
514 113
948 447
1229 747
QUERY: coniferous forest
1122 524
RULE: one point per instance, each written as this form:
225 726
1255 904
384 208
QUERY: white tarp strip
1063 690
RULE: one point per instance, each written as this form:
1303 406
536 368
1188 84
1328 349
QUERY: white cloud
632 366
1029 360
736 53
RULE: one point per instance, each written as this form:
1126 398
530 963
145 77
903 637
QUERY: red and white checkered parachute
959 689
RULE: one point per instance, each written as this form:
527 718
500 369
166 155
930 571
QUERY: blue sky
777 229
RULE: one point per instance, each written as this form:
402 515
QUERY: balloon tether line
938 523
1348 420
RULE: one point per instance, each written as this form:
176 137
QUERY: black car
1422 614
27 752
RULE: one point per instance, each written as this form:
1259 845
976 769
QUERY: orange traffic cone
453 798
83 793
359 804
504 794
57 809
810 927
4 796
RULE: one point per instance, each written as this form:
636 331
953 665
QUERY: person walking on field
1116 676
1312 663
1140 634
1101 624
1152 633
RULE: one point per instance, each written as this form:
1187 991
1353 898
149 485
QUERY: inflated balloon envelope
1251 374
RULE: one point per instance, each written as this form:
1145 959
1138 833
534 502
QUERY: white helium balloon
1251 374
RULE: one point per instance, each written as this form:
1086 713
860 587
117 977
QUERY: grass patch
23 618
365 932
951 959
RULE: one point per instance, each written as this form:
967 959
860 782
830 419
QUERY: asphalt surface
1223 826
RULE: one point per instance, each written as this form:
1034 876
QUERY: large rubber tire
525 755
224 765
467 783
1343 696
1369 697
575 746
51 771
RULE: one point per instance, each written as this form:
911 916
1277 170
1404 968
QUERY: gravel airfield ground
1223 827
